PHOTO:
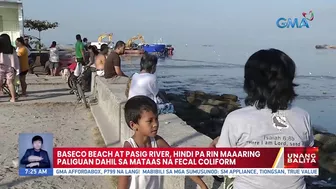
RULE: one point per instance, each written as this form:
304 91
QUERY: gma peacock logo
296 22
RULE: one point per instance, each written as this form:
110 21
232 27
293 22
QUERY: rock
327 161
215 102
204 112
327 150
175 97
198 98
192 114
201 94
231 107
196 102
212 110
181 104
191 98
326 142
330 145
224 111
322 138
230 97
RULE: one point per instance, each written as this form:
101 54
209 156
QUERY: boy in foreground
141 115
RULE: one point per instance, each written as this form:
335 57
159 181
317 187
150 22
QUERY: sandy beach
71 124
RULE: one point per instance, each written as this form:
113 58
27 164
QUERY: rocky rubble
326 142
206 114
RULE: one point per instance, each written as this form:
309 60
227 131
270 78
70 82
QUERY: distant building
11 18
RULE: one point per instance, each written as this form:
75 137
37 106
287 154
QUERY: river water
214 69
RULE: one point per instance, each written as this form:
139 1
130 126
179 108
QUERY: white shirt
144 181
54 54
249 127
144 84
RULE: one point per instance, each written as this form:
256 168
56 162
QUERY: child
141 115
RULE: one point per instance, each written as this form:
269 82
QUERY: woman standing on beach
22 52
9 64
268 115
53 58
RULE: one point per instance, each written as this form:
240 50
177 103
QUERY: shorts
6 72
23 73
53 65
100 73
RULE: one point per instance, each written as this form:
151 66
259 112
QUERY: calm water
219 69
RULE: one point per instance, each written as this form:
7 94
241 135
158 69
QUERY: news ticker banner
181 161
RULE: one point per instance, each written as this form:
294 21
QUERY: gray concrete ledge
109 115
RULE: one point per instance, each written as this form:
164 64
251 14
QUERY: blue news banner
36 172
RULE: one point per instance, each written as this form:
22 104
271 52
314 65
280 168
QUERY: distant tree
39 25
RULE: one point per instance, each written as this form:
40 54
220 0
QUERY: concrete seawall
109 115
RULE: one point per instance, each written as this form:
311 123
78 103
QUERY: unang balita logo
296 22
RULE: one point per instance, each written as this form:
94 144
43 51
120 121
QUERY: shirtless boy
101 59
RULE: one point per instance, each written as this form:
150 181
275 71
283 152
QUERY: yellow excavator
103 36
100 40
130 42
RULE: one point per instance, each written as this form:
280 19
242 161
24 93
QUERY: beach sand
48 109
71 126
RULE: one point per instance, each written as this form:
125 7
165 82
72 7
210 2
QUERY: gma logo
293 23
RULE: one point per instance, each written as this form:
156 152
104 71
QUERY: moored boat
325 47
158 48
154 48
170 49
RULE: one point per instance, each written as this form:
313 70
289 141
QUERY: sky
184 21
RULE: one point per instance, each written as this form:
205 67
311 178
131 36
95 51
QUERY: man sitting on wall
101 59
112 66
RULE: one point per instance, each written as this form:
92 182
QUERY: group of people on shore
107 64
268 83
14 64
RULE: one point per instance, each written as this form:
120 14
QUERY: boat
170 49
158 48
152 48
325 47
